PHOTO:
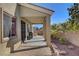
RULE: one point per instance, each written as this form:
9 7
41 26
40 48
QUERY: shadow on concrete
29 49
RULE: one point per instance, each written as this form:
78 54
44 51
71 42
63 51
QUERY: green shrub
55 34
62 40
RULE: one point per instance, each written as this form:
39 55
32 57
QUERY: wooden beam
24 19
34 20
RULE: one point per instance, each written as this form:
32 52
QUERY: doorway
23 31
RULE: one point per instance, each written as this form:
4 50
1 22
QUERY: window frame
5 39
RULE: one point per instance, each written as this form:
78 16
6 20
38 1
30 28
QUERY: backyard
38 31
65 49
65 36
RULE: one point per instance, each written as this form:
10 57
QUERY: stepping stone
62 52
71 47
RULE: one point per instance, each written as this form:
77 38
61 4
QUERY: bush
62 41
55 34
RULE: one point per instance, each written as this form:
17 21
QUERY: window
6 25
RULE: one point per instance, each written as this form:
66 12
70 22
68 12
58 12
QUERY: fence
72 37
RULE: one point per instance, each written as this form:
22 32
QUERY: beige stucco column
18 23
44 28
47 31
26 32
1 25
30 27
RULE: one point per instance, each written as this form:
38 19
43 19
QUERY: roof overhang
33 13
37 8
11 8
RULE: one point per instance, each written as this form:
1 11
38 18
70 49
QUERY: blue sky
60 15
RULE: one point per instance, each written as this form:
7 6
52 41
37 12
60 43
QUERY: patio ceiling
33 16
28 12
37 8
34 20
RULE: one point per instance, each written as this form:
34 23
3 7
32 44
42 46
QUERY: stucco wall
7 46
9 7
0 25
73 37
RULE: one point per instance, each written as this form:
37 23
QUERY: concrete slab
34 47
34 52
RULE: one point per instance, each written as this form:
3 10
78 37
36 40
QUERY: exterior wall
8 7
17 39
1 18
13 42
3 49
72 37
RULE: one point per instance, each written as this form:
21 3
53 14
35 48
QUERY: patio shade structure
38 15
30 14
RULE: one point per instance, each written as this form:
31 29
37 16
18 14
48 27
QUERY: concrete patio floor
34 47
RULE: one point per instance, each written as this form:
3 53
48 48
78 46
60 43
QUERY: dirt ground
64 47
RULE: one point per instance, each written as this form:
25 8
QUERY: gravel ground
69 52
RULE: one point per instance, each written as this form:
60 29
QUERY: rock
71 47
62 52
54 46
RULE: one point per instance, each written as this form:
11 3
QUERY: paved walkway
34 47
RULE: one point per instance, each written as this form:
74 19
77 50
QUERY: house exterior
16 20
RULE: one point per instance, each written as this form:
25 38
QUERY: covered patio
34 14
16 24
30 15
